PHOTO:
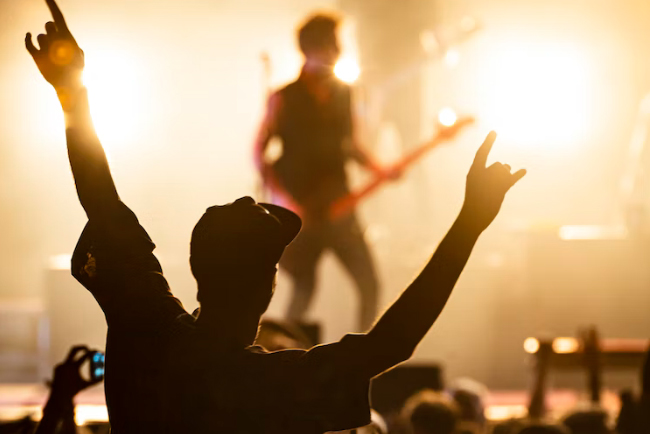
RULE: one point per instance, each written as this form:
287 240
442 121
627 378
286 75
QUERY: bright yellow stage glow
537 94
565 345
531 345
347 70
116 99
429 42
447 117
505 412
452 58
60 262
590 232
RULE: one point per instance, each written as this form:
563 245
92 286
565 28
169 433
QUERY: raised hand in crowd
58 57
68 381
410 317
486 187
61 62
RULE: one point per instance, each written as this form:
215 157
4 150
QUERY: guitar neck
345 204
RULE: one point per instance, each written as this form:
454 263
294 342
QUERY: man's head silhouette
318 40
234 253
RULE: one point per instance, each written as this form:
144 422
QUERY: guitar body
314 136
309 193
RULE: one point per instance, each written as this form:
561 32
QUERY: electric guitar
344 205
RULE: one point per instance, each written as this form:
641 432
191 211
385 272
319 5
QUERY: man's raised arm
402 327
61 62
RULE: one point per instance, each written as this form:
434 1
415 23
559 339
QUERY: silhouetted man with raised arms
169 372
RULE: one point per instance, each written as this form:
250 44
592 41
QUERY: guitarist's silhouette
313 119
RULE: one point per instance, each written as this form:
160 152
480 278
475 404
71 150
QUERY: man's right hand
486 187
59 58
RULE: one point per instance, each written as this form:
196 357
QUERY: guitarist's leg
350 247
299 261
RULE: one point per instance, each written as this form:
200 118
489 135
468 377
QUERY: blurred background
178 90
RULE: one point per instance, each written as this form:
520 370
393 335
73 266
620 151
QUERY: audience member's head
318 40
543 429
587 422
509 426
431 412
468 395
234 253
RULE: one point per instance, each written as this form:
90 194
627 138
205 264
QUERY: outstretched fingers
50 28
58 16
484 151
43 42
517 176
29 44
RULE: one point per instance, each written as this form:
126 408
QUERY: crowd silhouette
171 371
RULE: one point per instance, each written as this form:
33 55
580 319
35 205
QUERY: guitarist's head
319 43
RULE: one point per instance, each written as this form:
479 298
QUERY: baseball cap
242 233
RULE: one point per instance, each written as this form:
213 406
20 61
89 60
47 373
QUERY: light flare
538 95
115 90
347 70
447 117
531 345
566 345
452 58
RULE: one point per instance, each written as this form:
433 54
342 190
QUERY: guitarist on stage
313 118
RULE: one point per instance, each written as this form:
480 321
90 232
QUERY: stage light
447 117
538 94
347 70
85 413
60 262
468 24
531 345
505 412
116 96
452 58
591 232
429 42
565 345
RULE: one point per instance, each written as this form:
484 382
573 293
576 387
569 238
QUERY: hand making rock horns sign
58 57
487 186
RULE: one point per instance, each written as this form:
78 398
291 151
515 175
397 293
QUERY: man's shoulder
183 326
289 87
288 91
285 355
117 234
341 352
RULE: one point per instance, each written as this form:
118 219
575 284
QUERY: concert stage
20 400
